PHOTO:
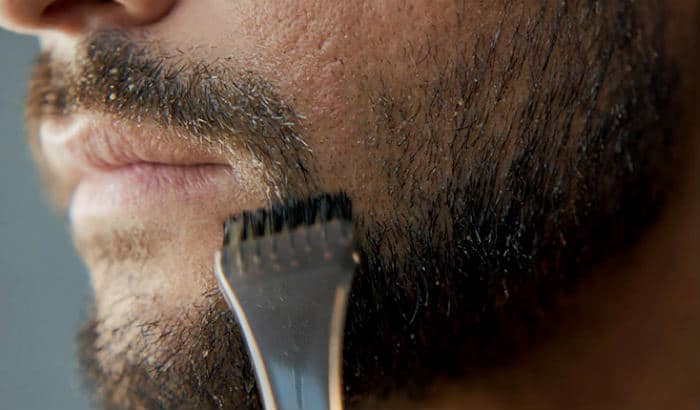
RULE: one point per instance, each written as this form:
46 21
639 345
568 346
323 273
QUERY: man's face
490 151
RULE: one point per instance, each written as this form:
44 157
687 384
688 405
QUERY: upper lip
81 145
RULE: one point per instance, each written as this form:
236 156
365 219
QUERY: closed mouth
110 164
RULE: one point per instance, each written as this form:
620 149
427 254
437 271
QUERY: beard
531 154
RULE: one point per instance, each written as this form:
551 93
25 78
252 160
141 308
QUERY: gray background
43 287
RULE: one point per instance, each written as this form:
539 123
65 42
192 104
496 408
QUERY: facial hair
493 216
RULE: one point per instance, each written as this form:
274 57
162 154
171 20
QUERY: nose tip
75 16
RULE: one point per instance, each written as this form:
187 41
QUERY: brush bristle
287 215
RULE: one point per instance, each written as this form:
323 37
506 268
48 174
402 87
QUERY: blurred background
44 289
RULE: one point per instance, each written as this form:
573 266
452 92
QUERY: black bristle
288 215
245 225
258 223
227 228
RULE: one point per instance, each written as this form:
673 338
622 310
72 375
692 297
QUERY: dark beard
206 367
501 203
461 276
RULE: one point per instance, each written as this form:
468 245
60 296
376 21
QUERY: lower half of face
487 164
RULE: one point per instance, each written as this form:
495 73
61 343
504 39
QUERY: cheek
335 60
329 60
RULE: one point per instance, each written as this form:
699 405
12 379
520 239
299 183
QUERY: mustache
115 74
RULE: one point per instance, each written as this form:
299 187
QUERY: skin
344 75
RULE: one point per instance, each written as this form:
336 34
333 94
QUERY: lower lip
148 186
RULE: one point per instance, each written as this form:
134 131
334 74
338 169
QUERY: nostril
64 7
74 15
77 16
73 10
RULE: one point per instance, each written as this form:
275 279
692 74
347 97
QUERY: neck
626 339
629 337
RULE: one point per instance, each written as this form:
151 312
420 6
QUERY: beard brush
285 272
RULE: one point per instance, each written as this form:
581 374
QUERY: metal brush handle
289 293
